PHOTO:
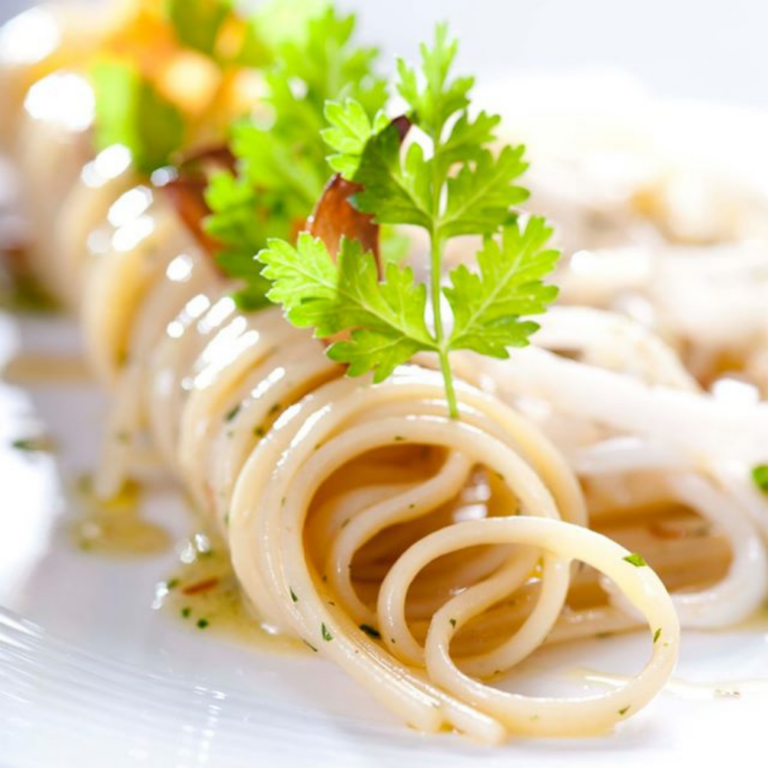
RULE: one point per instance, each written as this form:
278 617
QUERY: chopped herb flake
453 622
202 623
233 413
309 645
656 635
634 559
624 711
327 636
33 444
172 584
186 612
293 597
371 631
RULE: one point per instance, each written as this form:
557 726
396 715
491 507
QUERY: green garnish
760 477
624 711
130 111
327 636
461 188
452 622
172 584
372 632
309 645
230 415
634 559
186 612
281 165
33 444
201 25
656 635
293 596
202 623
198 23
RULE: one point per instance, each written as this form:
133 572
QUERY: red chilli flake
201 586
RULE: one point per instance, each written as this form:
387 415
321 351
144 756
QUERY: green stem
436 259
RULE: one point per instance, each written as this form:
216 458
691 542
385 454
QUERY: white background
704 49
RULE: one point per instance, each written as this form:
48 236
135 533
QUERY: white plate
91 675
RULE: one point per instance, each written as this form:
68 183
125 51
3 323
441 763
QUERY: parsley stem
436 262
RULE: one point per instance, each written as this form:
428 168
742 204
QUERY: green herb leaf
760 477
487 305
331 297
131 112
439 99
481 194
394 192
197 23
656 635
466 139
637 560
351 130
281 164
327 636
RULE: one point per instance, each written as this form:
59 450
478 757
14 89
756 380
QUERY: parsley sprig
281 163
455 186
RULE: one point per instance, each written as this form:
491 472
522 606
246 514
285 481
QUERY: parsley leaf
434 104
351 130
394 192
388 317
487 306
481 194
637 560
131 112
281 164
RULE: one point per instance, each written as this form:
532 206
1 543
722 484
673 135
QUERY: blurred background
701 49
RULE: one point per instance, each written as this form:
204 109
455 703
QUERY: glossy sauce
116 526
203 593
28 369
